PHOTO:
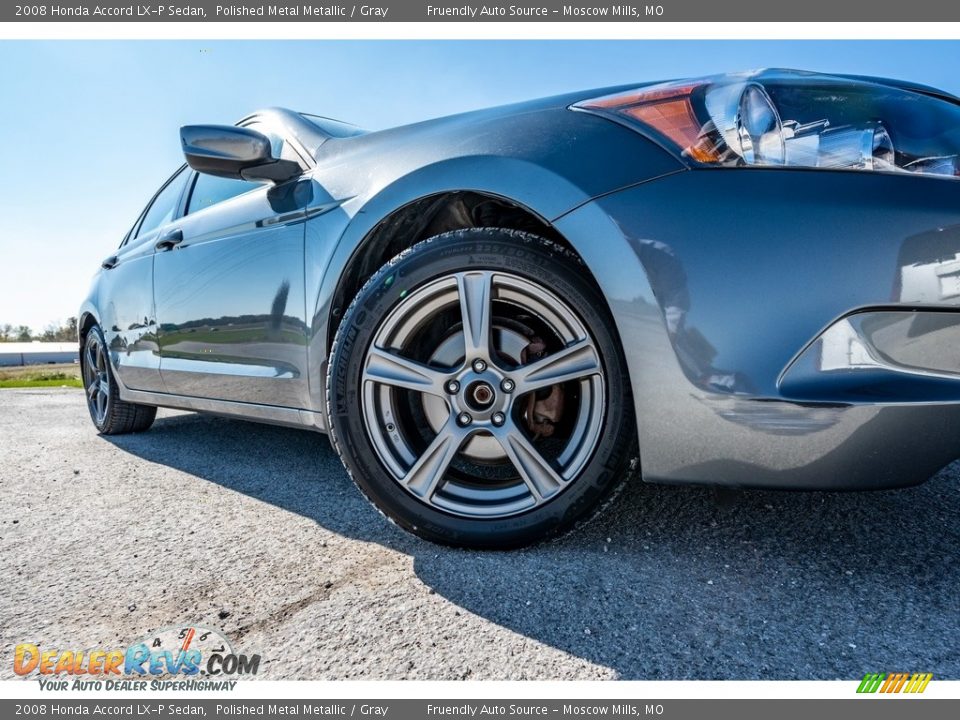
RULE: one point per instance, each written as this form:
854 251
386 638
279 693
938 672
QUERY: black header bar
229 708
451 11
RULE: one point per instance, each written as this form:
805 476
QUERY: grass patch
44 382
33 376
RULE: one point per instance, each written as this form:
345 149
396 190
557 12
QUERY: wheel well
423 219
87 321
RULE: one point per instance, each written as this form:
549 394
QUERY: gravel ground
257 530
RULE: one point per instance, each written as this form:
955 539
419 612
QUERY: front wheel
110 414
477 392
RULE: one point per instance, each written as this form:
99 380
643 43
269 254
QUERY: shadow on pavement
672 582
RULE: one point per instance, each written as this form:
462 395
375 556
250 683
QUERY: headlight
758 127
786 118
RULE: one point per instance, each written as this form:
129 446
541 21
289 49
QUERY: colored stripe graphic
918 682
894 682
187 640
889 682
870 683
901 679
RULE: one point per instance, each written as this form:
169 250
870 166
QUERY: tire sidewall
488 249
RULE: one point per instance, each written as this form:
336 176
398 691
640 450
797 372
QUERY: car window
164 205
208 190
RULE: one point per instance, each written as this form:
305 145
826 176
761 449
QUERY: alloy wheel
483 394
96 377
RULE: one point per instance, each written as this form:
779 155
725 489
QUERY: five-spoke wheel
96 381
447 388
109 413
472 394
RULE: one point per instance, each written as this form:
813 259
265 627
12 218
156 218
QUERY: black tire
110 414
548 266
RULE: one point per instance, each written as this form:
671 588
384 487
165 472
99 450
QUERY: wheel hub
480 395
481 448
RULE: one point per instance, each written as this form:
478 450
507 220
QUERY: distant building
37 353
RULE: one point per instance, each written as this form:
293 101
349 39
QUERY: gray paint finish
732 290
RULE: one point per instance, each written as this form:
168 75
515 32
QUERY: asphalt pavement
257 531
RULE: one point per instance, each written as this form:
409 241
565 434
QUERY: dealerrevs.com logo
174 658
887 683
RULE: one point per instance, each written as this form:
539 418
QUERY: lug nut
498 419
507 385
453 387
479 365
464 419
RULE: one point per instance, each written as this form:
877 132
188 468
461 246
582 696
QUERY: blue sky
90 128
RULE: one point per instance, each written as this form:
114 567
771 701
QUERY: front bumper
785 329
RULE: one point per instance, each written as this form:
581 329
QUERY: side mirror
234 152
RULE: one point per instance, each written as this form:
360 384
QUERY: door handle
170 239
110 262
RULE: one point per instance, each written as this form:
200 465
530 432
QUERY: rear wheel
110 414
477 392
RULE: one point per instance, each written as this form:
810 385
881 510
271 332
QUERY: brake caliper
544 408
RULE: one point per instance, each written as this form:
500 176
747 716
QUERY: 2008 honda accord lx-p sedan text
498 317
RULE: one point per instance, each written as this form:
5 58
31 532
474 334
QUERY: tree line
63 332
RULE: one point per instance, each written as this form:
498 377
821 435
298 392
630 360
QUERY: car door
229 289
127 312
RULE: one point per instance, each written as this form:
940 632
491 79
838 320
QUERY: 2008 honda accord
749 279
